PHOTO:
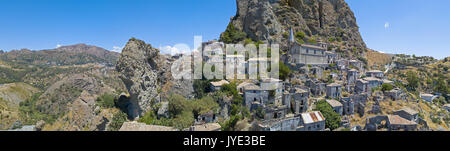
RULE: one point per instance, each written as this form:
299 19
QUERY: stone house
217 86
362 86
317 88
254 93
275 89
373 82
394 94
334 90
408 113
317 71
337 106
296 100
356 63
352 76
375 74
397 123
360 101
427 97
289 123
331 57
207 117
312 121
275 112
348 105
240 87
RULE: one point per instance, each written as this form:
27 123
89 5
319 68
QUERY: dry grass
378 58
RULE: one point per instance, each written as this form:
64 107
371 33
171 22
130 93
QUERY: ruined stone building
348 105
296 100
408 113
254 93
312 121
334 90
337 106
317 87
375 74
397 123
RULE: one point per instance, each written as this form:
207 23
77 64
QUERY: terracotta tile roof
397 120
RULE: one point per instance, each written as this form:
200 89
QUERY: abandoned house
337 106
297 100
408 113
397 123
348 105
427 97
312 121
317 87
375 74
275 112
254 93
207 117
394 94
334 90
217 86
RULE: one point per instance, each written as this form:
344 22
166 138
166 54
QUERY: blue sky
394 26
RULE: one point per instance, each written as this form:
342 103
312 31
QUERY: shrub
284 71
232 35
106 100
300 35
387 87
117 121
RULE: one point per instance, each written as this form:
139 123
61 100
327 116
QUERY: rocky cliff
147 76
271 20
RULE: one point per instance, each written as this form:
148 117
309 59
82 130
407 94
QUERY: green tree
332 119
284 71
300 35
106 100
232 35
413 80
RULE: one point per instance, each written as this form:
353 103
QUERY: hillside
11 95
65 55
267 20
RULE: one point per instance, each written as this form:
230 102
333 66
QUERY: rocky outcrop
147 76
139 67
270 20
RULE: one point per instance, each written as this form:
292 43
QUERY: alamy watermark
215 60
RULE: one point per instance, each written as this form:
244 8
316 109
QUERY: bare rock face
138 66
268 20
147 75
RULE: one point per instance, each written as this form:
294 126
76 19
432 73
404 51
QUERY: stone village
289 105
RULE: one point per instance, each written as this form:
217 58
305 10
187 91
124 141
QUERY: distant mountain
66 55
